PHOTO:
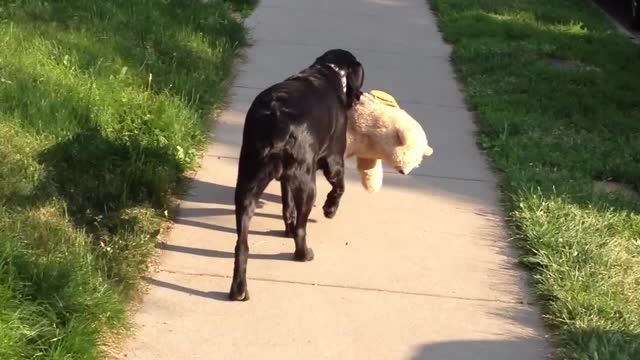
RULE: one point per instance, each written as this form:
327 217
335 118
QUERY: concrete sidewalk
421 270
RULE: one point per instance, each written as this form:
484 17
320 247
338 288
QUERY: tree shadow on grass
93 172
103 161
99 95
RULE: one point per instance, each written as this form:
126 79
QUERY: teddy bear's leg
333 169
370 173
288 210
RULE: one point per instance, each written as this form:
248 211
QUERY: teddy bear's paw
370 183
372 188
303 255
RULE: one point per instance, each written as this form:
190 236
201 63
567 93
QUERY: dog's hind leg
333 170
288 209
247 195
304 195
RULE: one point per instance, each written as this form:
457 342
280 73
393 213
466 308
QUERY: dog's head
353 70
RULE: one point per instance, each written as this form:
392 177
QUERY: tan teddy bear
378 132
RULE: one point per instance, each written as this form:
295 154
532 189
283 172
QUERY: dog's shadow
220 197
220 254
211 193
216 194
215 295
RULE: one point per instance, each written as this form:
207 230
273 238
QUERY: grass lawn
556 92
103 105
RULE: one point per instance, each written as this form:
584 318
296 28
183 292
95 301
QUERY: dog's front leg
333 169
304 195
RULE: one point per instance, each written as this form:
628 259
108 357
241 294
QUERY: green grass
103 106
556 93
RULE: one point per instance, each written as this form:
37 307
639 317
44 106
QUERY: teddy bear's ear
428 150
403 136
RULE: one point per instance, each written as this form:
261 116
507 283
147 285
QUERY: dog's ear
355 79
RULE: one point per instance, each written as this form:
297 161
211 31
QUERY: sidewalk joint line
387 172
353 287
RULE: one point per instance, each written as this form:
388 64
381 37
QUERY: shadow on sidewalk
206 192
524 348
520 349
215 295
221 254
524 345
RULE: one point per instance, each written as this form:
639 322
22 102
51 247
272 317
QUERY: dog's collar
343 77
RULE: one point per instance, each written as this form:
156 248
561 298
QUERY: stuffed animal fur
379 131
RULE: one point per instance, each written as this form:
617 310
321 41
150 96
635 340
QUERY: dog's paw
239 292
303 255
329 211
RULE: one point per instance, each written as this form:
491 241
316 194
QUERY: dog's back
294 120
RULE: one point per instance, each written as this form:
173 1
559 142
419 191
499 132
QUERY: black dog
291 130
